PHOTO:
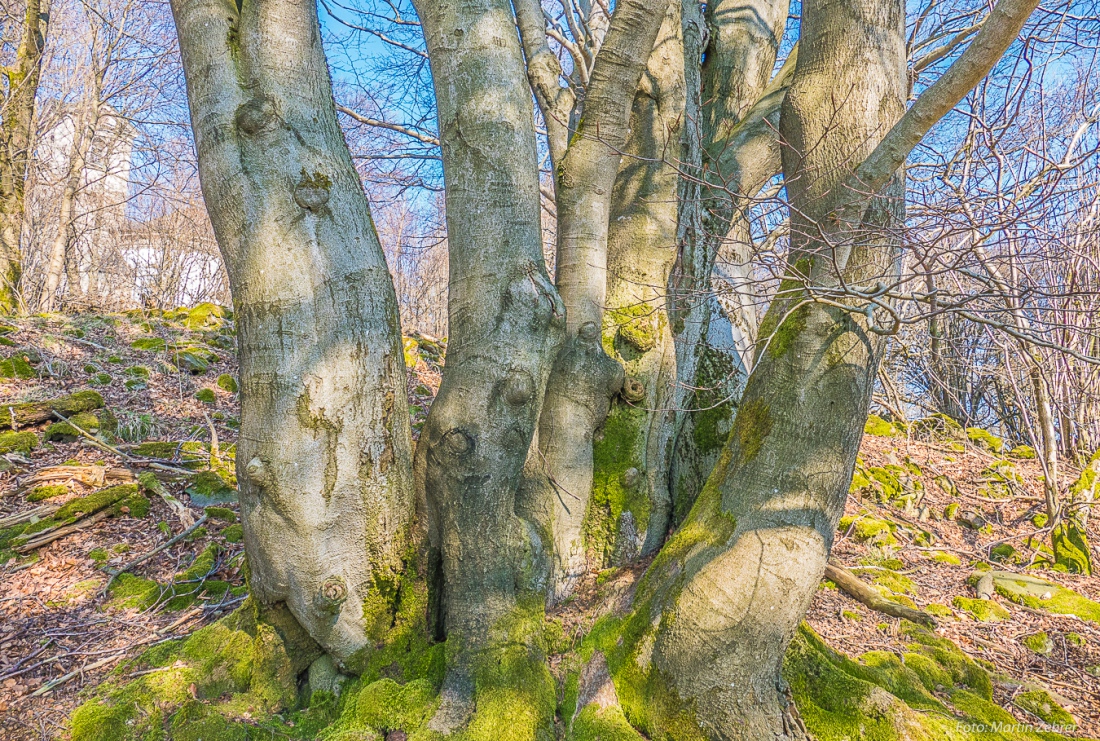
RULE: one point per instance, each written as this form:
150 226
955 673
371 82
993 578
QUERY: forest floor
169 379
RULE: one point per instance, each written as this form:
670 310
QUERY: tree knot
332 594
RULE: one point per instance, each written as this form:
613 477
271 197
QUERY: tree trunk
739 153
726 594
584 378
324 454
84 130
506 323
16 132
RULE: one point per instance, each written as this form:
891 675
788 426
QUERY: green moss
206 315
48 491
637 325
939 610
879 427
985 439
1040 594
891 580
851 615
66 432
1075 639
210 487
1038 702
751 427
984 611
99 555
781 337
233 534
18 442
1023 452
950 511
201 685
617 496
1039 642
867 529
128 590
221 513
1002 552
149 344
594 723
1071 549
948 558
228 383
16 367
206 395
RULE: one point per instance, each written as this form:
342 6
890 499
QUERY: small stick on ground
143 558
865 594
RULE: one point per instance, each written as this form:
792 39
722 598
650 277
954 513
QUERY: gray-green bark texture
16 133
506 323
324 458
738 152
630 508
724 597
584 378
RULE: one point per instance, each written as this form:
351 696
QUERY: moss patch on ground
934 691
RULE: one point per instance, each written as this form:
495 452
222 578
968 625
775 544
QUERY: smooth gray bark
324 454
506 324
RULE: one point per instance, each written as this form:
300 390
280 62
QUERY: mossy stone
1002 552
1040 594
879 427
1040 643
1023 452
233 533
208 487
18 442
1039 702
16 367
1071 549
984 611
149 344
984 439
66 432
227 382
206 395
867 529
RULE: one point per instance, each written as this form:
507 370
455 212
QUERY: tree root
863 593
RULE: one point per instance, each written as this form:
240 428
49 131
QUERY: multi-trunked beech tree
558 432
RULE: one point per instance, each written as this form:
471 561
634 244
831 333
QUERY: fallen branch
49 536
93 476
44 510
143 558
868 596
151 483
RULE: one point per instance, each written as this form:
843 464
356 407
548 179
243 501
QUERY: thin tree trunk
630 507
584 379
84 128
324 454
16 132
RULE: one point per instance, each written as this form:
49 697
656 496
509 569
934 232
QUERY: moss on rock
1040 594
985 440
982 610
18 442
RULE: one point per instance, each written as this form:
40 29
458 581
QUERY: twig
150 554
866 595
95 441
41 511
78 341
49 686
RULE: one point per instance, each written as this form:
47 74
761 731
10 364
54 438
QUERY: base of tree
255 675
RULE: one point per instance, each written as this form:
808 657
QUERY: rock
971 519
1071 549
984 611
228 383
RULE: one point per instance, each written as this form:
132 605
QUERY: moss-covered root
204 686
